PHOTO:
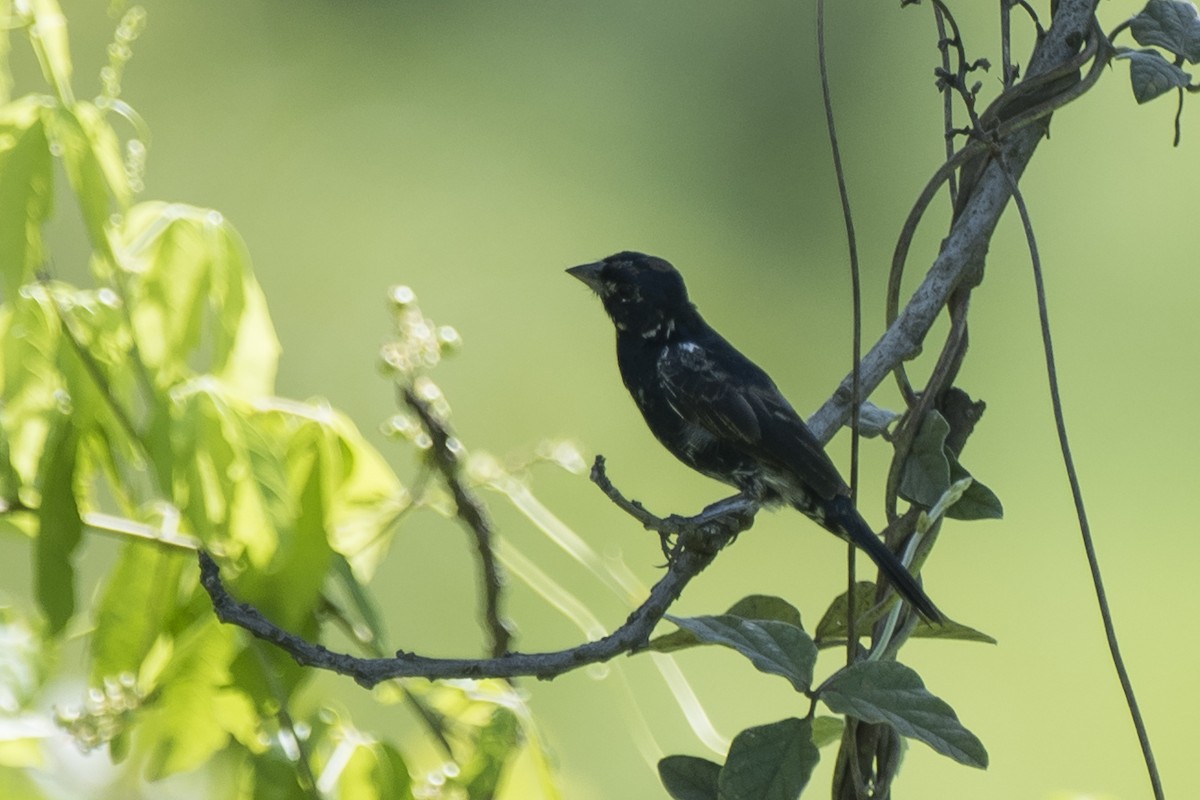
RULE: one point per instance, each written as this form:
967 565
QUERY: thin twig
1007 74
1077 495
947 102
372 645
473 514
856 304
957 79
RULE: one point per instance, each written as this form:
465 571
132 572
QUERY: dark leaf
754 606
948 629
1170 24
831 630
1152 75
977 502
689 778
926 474
770 762
884 691
766 607
776 648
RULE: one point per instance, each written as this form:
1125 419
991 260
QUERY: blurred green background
474 150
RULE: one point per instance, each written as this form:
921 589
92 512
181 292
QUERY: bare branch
471 511
962 256
700 538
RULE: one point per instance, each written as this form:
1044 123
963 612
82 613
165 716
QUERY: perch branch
700 538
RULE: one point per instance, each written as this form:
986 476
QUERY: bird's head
641 293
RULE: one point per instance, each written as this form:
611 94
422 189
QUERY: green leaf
977 502
766 607
60 529
10 483
274 778
365 496
195 712
373 772
949 629
930 470
120 745
232 487
48 35
884 691
249 359
776 648
770 762
105 150
192 293
926 473
689 777
754 606
30 336
1173 25
303 558
391 775
827 730
138 599
831 630
1152 75
92 157
494 737
496 744
674 641
26 190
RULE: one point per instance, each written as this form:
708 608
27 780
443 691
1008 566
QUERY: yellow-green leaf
48 34
92 157
192 293
135 606
59 529
26 190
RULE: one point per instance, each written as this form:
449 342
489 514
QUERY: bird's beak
589 274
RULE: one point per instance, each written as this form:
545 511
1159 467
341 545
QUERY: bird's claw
669 536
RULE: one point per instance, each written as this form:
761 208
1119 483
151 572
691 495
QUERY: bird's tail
845 519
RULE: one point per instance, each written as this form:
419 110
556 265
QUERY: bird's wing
726 394
705 394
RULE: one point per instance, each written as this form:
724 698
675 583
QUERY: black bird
719 413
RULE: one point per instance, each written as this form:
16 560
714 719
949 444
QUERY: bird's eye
622 291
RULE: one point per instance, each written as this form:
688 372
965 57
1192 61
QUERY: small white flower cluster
105 713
